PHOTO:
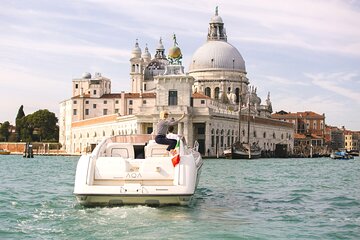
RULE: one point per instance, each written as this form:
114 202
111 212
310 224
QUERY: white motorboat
133 170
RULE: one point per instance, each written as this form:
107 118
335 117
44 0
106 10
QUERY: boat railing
135 138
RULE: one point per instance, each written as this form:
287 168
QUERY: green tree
18 121
42 123
4 131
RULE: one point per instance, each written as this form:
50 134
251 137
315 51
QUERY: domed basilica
220 105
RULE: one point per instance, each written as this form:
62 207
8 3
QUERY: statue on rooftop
175 55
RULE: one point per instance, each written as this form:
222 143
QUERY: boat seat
157 168
110 168
155 150
124 150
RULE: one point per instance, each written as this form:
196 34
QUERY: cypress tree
18 122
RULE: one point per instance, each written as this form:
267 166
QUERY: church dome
146 55
217 55
216 19
136 52
86 75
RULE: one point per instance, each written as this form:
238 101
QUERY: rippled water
263 199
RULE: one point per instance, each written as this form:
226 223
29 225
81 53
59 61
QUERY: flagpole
248 138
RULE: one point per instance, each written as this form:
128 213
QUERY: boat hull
244 155
341 156
244 151
122 199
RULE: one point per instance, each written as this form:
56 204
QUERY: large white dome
217 55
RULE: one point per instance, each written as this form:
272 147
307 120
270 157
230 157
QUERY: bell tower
137 68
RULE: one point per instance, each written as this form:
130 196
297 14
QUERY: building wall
65 121
210 122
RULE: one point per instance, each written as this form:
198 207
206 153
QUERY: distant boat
341 155
354 152
245 151
241 150
4 152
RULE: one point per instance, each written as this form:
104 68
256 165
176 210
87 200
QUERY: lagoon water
263 199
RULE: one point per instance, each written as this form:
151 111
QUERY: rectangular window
75 102
105 101
86 111
144 87
76 86
105 111
74 111
116 101
172 98
130 102
86 102
130 111
149 130
201 130
202 101
144 101
94 105
94 92
116 110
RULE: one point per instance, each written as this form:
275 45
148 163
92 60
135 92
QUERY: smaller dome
136 52
174 52
146 55
86 75
216 19
160 46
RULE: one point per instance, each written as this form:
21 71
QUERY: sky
305 53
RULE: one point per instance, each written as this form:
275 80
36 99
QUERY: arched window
228 138
237 93
217 93
208 91
222 138
212 137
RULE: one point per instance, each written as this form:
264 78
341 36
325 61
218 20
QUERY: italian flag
176 159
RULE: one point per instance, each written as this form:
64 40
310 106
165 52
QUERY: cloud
63 49
284 81
344 84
